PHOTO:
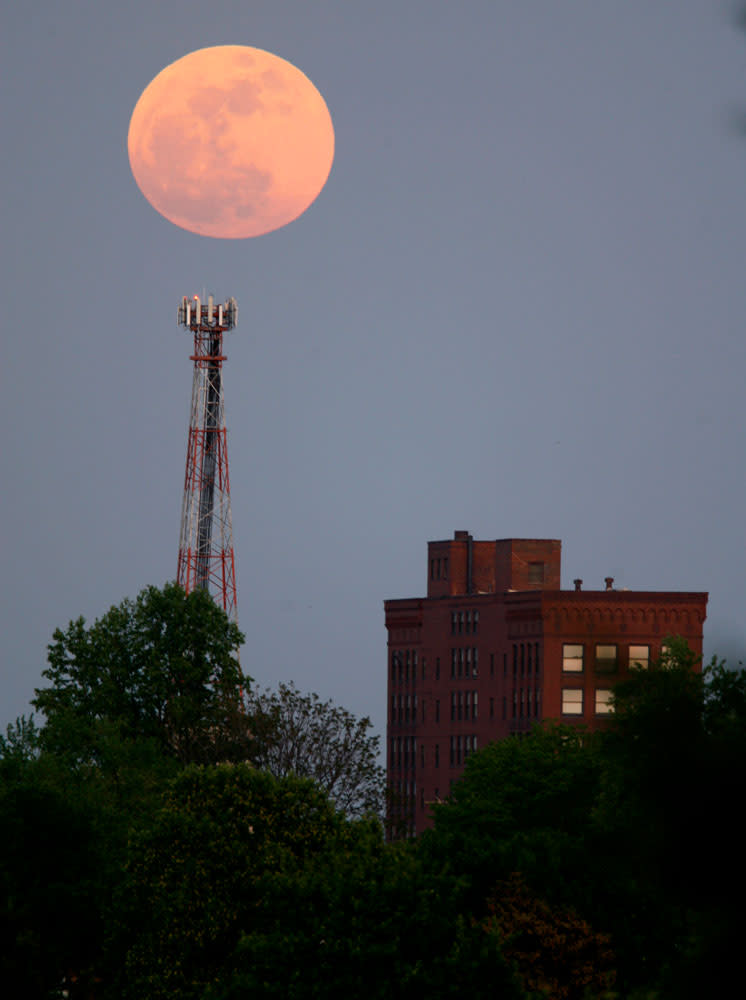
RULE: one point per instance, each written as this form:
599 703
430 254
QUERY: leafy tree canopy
521 805
163 667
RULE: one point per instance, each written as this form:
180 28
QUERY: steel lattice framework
206 558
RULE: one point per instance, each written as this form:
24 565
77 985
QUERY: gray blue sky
517 308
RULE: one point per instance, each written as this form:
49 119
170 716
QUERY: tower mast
206 560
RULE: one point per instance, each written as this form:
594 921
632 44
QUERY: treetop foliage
163 667
143 856
295 733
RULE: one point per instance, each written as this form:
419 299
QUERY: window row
526 703
461 748
464 705
404 666
464 661
525 659
404 708
464 622
573 701
403 752
605 657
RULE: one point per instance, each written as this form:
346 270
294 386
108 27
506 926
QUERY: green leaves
163 667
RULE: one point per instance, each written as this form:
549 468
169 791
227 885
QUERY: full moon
230 142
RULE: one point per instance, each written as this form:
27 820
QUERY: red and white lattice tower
206 559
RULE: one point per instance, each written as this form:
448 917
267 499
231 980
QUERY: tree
522 805
205 869
296 733
673 755
249 885
161 668
557 954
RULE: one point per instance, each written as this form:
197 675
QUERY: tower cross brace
206 559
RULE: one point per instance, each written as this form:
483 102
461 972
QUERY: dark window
606 659
536 573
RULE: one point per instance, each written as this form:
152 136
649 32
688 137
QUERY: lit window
639 656
572 701
603 701
606 658
572 658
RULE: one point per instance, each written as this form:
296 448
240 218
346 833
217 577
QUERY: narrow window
535 573
437 759
437 710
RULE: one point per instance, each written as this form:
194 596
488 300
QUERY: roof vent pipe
609 581
578 584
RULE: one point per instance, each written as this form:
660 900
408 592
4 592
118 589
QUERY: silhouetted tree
295 733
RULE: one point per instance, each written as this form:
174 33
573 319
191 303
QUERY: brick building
497 646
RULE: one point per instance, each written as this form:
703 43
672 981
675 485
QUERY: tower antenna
206 560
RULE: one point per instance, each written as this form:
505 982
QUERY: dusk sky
516 308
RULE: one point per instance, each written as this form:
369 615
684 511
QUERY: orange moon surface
230 142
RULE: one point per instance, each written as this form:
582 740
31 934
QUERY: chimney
609 581
578 584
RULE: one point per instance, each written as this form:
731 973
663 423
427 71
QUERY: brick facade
497 646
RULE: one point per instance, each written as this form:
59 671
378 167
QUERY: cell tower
206 559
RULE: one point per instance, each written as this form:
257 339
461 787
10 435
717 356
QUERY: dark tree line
168 832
